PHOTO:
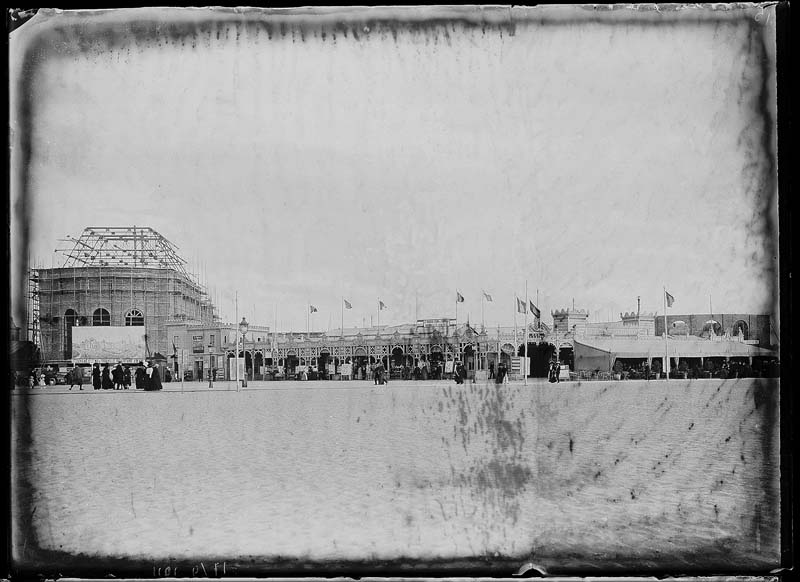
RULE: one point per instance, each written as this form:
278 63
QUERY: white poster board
346 369
233 368
108 344
448 367
563 373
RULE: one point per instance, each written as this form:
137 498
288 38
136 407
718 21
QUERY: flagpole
525 362
666 350
308 317
236 331
711 312
497 363
342 315
483 321
516 338
456 308
379 312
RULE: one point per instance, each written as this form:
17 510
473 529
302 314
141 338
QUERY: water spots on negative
424 470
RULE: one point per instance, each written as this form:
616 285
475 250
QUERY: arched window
101 317
134 318
70 317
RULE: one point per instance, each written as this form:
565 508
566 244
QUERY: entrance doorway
360 364
322 364
539 356
291 363
469 361
396 363
436 363
566 356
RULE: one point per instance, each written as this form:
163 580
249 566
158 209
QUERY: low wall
568 476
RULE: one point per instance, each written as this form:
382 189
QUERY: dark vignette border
786 170
436 29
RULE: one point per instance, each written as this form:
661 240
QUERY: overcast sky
596 161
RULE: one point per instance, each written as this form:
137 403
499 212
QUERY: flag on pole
382 305
521 305
487 296
535 310
459 297
670 299
312 308
347 304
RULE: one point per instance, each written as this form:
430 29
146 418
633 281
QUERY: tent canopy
600 354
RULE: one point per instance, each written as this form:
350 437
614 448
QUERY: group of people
379 374
106 379
146 377
501 376
40 378
554 373
459 373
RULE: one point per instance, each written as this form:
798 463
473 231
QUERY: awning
601 353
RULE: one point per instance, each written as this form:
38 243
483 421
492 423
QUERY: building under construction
114 276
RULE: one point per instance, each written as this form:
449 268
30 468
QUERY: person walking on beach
75 377
96 377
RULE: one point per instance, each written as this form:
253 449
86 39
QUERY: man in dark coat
75 376
106 378
96 377
126 377
116 376
141 377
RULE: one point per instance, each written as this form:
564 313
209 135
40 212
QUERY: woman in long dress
155 379
96 379
106 378
141 377
116 375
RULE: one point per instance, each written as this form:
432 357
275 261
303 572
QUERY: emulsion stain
497 472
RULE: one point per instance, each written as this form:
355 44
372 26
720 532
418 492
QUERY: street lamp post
243 325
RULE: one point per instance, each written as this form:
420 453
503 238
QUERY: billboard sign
108 344
197 344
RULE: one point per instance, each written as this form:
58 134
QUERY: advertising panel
108 344
197 344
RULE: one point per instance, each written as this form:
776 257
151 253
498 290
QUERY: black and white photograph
420 290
